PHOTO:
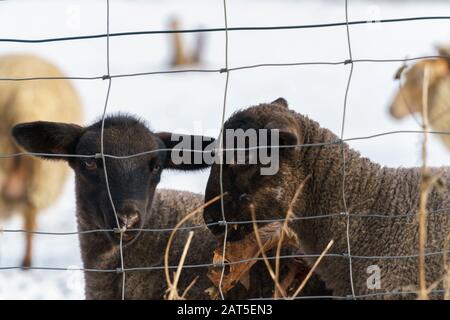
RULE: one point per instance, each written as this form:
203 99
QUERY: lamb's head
133 166
247 187
408 99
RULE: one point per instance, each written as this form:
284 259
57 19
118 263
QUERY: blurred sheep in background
181 56
28 184
408 100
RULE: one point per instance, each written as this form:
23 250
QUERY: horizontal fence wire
227 70
226 263
305 145
223 70
202 30
211 224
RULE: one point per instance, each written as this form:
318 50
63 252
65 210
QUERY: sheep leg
15 185
30 225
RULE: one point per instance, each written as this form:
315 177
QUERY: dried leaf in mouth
246 250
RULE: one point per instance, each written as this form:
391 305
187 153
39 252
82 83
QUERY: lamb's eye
155 167
89 165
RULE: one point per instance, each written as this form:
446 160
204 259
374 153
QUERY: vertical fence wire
344 113
222 204
102 146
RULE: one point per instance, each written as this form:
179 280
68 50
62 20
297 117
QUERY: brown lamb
370 189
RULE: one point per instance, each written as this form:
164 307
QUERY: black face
132 180
247 191
237 186
240 183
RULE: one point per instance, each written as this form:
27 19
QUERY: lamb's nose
129 219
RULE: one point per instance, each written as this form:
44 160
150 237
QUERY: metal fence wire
226 70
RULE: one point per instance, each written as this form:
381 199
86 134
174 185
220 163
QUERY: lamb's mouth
235 232
128 236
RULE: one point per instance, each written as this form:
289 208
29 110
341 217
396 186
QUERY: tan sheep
408 99
28 184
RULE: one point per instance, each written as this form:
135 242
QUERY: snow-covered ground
192 102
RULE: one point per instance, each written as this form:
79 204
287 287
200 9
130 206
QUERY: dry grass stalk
289 214
296 268
311 271
435 284
282 288
425 185
263 253
446 276
427 182
241 256
185 292
172 290
170 284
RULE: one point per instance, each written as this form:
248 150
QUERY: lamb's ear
287 135
281 102
51 138
444 51
189 152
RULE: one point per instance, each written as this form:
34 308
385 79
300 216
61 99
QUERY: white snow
193 101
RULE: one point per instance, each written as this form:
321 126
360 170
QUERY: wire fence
226 70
